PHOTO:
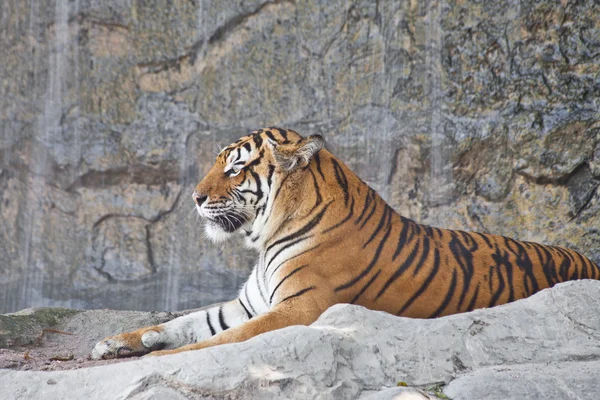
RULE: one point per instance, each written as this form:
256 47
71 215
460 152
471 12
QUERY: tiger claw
105 350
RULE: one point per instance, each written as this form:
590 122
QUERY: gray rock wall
471 115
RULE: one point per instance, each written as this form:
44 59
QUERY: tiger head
239 191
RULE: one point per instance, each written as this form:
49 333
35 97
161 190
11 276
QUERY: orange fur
361 251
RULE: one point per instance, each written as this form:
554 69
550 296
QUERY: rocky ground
54 339
476 115
543 347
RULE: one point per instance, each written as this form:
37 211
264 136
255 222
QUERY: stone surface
477 115
546 346
399 393
562 380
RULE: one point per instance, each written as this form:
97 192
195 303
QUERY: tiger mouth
228 222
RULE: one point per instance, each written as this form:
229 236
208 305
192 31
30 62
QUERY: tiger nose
199 198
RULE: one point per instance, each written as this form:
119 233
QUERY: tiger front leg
291 311
179 332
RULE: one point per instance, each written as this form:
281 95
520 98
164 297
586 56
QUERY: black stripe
257 140
350 214
564 253
428 230
485 239
406 264
574 274
525 263
510 281
584 272
262 295
370 214
287 246
587 264
365 287
382 222
549 265
259 192
256 161
567 252
468 239
593 268
402 239
289 259
237 195
564 266
246 191
248 147
500 260
270 135
248 299
426 283
464 259
283 134
417 228
448 297
245 309
491 278
317 191
368 199
421 262
305 229
471 305
224 325
212 330
317 159
341 179
283 280
370 266
270 175
543 264
300 293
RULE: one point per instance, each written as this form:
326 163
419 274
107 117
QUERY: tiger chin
325 237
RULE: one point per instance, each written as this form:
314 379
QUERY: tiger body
325 237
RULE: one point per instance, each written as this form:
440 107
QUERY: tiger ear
296 155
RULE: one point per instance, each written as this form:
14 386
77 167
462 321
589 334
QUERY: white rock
546 346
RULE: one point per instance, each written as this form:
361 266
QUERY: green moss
25 327
437 390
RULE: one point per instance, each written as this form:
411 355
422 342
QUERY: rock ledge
546 346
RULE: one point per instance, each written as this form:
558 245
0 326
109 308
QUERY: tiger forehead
256 140
236 150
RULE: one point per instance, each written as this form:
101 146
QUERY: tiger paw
128 345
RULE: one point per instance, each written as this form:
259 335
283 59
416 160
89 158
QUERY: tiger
324 237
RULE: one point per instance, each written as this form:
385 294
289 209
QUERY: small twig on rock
61 358
56 331
44 331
